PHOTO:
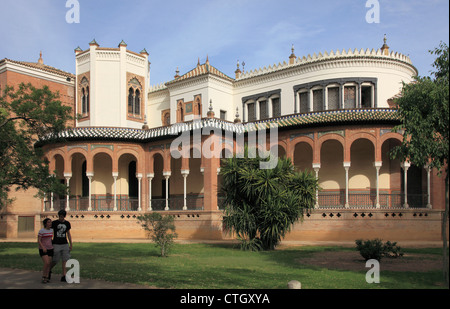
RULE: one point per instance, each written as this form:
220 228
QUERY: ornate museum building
334 115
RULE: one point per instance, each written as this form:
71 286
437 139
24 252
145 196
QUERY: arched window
84 86
83 101
87 100
130 100
137 102
134 98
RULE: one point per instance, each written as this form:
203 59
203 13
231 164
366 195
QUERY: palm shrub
261 205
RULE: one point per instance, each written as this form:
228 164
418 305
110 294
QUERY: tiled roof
199 70
39 66
297 120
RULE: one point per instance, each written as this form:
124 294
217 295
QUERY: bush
375 249
159 227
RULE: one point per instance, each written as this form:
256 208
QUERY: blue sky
259 32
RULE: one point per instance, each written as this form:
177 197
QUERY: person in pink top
45 236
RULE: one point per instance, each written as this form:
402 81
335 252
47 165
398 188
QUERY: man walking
62 241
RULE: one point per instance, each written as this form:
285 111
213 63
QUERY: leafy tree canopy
26 115
424 109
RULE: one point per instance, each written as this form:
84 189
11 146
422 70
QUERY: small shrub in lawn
162 229
375 249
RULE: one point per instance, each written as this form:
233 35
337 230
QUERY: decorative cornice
355 54
297 120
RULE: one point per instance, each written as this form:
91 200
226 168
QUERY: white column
257 108
358 91
139 177
150 178
428 168
90 176
377 165
372 101
167 176
405 166
346 166
316 167
184 173
341 100
325 98
67 176
51 202
115 175
270 108
310 100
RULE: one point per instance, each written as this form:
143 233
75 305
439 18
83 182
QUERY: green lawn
213 266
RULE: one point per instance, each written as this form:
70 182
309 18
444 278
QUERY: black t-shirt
60 230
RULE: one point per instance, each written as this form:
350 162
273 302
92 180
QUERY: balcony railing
364 200
369 200
106 203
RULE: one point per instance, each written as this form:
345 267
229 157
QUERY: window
349 97
251 112
134 102
333 98
276 110
263 110
134 98
84 86
223 115
317 100
366 96
304 104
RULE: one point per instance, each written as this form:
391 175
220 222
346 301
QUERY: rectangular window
251 112
304 104
223 115
276 110
25 226
263 110
366 96
317 100
349 97
333 98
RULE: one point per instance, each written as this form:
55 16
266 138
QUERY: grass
214 266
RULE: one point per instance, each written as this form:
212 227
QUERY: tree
261 205
424 110
27 115
159 226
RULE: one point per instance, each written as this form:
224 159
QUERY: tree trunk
444 231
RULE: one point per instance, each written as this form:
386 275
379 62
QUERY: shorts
49 252
61 252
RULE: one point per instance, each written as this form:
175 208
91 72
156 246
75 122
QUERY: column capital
90 174
184 172
316 165
150 175
67 175
377 164
405 164
167 174
115 174
347 164
139 176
